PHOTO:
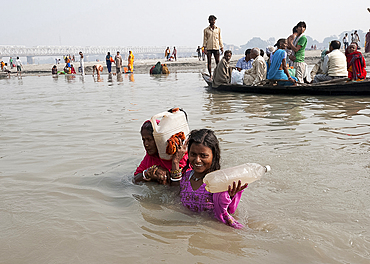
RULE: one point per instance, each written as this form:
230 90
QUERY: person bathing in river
54 70
278 69
204 157
152 167
98 68
222 72
130 61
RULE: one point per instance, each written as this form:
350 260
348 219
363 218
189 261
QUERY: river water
69 146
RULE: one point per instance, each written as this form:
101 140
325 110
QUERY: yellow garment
131 58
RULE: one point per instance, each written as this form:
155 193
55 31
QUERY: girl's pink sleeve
224 206
235 202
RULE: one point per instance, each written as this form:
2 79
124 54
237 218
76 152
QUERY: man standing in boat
299 46
212 42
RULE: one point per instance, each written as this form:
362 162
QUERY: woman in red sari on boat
356 65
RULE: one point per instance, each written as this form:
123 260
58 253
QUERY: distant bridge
30 52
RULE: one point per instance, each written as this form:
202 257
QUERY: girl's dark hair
207 138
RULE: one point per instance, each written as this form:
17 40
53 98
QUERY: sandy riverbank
143 66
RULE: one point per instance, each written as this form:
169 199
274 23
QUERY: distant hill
263 44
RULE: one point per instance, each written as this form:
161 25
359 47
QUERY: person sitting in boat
335 64
317 68
222 72
356 65
258 71
54 70
278 69
246 62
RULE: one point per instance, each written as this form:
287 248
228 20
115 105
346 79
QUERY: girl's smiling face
200 158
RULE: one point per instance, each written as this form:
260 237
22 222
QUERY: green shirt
299 55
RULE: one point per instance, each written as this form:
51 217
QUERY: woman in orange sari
130 61
356 65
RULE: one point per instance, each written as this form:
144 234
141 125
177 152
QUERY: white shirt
18 62
335 64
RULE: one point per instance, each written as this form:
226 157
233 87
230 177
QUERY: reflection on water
69 146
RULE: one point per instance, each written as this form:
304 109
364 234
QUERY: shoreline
191 64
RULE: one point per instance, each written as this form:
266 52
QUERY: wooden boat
332 87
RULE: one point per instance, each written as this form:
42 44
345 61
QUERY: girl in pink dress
204 157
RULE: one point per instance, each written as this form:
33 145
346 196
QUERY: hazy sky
171 23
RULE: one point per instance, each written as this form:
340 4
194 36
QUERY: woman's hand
235 189
157 173
291 80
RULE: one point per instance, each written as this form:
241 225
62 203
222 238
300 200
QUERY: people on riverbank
174 53
356 39
199 51
167 53
54 70
6 70
82 66
98 68
108 61
345 41
19 64
118 62
130 59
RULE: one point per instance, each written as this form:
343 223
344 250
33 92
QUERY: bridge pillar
30 60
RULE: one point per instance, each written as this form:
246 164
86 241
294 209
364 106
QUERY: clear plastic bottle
219 181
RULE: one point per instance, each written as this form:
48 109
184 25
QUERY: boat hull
327 88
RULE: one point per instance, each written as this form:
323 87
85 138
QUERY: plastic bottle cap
268 168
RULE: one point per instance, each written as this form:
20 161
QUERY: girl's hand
235 189
181 149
